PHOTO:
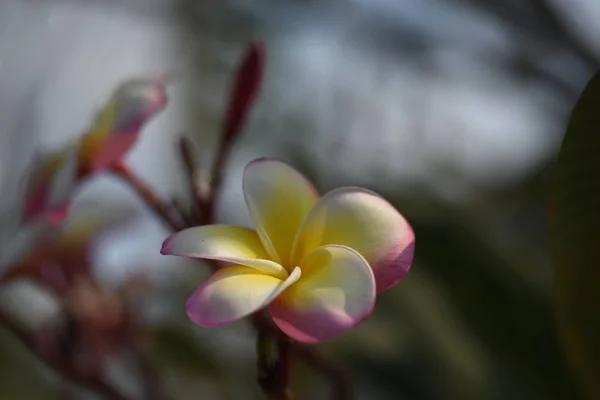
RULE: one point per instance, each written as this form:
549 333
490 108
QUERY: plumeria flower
120 122
53 177
317 263
109 138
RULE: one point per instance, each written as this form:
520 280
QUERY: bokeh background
454 110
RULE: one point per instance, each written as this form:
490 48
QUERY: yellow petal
335 293
234 292
278 198
233 244
362 220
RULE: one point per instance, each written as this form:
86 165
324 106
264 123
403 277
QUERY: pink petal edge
209 316
319 323
394 266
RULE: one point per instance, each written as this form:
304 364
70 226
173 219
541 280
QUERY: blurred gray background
452 109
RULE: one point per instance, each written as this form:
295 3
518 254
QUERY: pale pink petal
278 199
114 149
233 244
35 201
65 180
58 214
116 130
362 220
335 293
234 292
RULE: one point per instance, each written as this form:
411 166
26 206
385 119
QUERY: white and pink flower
317 263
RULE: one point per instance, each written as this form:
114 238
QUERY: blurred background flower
453 110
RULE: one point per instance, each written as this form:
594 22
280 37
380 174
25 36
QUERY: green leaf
576 235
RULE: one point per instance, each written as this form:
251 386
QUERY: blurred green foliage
577 238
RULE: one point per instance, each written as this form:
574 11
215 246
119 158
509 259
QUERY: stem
333 372
94 382
274 365
148 195
216 180
284 369
190 168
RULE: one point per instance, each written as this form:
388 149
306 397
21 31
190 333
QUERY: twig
208 212
284 369
64 368
274 361
148 195
186 150
334 373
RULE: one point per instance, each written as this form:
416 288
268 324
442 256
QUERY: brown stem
148 195
94 382
216 180
284 369
334 373
186 150
274 364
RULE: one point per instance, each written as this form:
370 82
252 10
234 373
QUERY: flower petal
234 292
362 220
63 187
119 123
50 186
234 244
113 150
278 198
336 292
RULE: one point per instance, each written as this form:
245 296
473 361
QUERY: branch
286 349
94 382
208 213
186 150
274 365
164 211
